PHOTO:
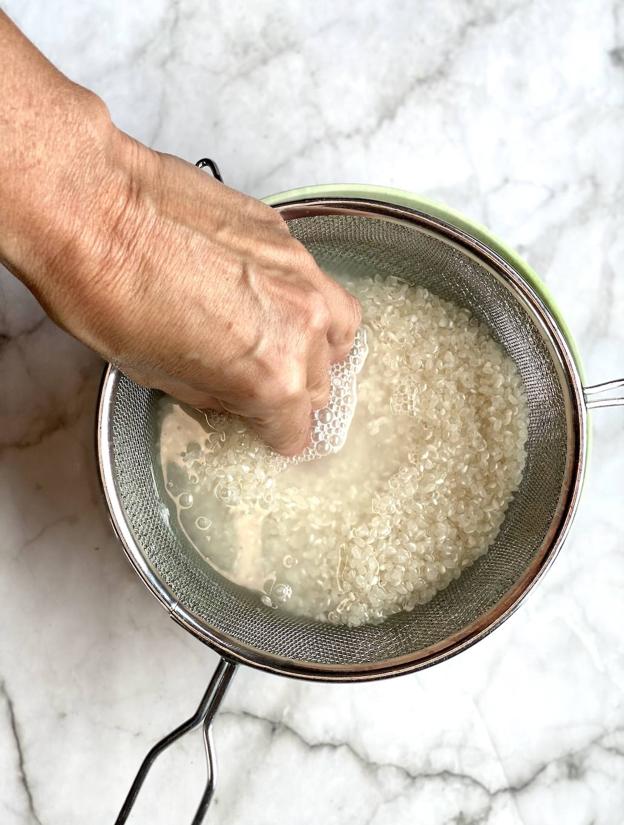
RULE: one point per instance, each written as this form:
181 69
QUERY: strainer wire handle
201 164
595 395
203 716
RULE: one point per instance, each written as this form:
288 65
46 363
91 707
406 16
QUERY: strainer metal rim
575 468
418 203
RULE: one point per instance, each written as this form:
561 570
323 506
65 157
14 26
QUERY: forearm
51 130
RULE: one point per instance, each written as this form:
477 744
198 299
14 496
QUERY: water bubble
228 492
282 592
185 501
203 523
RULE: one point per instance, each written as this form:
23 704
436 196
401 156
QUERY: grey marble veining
512 112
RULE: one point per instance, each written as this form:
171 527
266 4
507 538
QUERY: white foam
330 426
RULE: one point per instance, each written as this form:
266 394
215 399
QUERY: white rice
419 491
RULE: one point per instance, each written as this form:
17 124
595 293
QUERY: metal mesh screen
363 245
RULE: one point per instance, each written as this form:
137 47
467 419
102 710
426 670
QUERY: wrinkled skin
187 285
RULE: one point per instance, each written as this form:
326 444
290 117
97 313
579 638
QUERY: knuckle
288 386
352 322
280 385
316 313
249 389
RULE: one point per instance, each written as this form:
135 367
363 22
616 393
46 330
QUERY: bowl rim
419 203
531 288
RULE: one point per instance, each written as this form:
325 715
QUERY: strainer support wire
203 717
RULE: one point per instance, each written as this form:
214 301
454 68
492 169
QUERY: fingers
210 403
287 429
346 317
318 374
187 394
344 311
259 339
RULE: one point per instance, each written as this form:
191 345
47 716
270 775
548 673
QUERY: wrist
60 191
44 161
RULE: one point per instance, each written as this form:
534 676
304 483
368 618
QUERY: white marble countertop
510 111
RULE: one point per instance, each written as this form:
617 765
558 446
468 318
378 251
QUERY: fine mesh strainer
358 231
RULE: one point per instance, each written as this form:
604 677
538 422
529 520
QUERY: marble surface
510 111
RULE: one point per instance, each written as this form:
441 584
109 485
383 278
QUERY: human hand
209 298
187 285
